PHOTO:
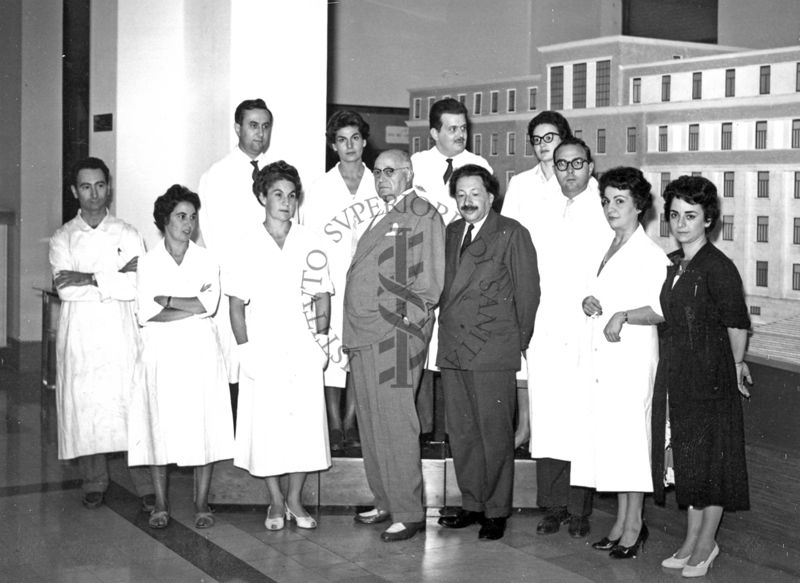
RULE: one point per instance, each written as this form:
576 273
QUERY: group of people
370 281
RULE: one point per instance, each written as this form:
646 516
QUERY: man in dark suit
487 311
393 284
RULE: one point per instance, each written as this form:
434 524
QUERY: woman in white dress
183 415
524 199
280 308
618 362
337 208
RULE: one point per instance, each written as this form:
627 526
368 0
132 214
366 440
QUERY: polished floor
47 536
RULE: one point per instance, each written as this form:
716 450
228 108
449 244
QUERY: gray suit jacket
397 272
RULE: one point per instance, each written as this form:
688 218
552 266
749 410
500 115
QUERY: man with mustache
228 206
487 312
432 171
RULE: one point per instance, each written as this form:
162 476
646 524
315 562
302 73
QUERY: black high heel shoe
621 552
605 544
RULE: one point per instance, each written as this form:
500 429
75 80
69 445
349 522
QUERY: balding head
398 164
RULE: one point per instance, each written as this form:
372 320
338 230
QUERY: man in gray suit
393 285
487 311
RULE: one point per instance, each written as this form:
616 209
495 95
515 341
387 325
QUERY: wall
379 49
759 25
179 69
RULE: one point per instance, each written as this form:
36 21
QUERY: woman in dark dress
700 376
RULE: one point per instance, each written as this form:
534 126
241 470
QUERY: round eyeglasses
576 163
547 138
388 172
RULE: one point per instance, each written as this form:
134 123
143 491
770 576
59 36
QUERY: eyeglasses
547 138
576 163
388 172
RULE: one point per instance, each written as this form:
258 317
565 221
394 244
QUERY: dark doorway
75 94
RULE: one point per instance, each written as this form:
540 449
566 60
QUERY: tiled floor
47 536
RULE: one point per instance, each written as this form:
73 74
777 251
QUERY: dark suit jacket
490 298
397 270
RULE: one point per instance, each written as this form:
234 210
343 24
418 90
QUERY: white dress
281 421
182 412
98 340
340 218
526 201
569 246
228 209
616 389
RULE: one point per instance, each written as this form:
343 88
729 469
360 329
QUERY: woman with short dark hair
618 362
279 290
183 415
700 377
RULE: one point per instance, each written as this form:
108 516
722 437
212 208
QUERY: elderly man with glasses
393 285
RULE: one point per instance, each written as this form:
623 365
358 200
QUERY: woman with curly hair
280 309
184 414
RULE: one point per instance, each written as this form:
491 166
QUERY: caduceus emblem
394 312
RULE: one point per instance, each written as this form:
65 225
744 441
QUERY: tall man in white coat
228 207
574 228
432 171
93 259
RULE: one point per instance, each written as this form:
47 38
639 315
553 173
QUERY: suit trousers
553 488
94 472
389 429
480 409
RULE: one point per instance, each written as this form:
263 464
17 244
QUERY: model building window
415 145
762 229
531 98
761 135
727 184
557 87
763 184
602 92
579 85
796 276
494 101
631 141
762 272
796 133
797 184
694 137
417 107
477 144
663 226
796 232
764 75
662 138
511 143
697 85
493 145
636 93
727 227
601 141
730 82
462 98
477 103
511 100
727 136
665 178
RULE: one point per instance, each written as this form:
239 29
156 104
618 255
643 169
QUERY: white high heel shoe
302 521
702 567
674 562
273 523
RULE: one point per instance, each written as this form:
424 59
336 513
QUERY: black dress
697 372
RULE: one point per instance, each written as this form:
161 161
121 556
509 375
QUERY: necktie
449 171
255 168
467 240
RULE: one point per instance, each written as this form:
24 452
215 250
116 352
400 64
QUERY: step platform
345 484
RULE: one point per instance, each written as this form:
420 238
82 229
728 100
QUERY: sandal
203 519
158 519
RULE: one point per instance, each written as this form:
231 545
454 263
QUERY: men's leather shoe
578 526
378 517
93 500
409 530
552 521
462 519
492 528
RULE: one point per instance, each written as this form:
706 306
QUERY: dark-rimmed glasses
576 163
547 138
388 172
